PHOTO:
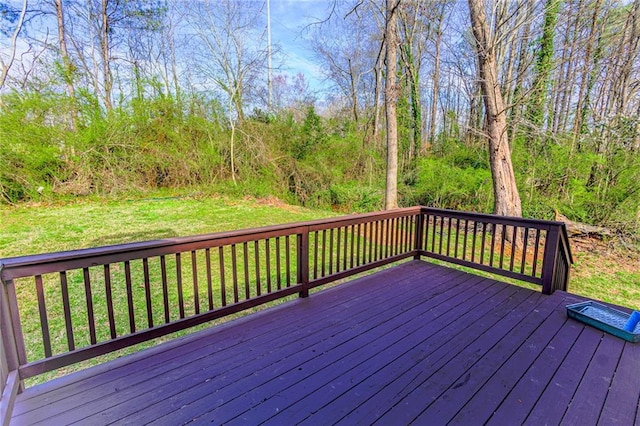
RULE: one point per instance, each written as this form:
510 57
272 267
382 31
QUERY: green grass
607 271
32 229
610 274
41 228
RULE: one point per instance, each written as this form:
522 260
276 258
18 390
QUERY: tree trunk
523 61
586 72
544 63
376 104
105 54
436 77
505 191
66 61
390 100
5 67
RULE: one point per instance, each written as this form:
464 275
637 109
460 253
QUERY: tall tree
17 18
68 70
226 34
391 98
347 47
413 35
505 191
544 63
439 19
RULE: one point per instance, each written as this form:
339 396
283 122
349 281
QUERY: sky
289 18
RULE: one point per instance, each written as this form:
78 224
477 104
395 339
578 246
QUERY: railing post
303 262
9 359
419 234
550 259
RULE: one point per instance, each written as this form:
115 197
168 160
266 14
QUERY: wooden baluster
483 241
67 309
89 299
473 241
223 284
165 289
493 243
352 255
386 238
324 249
345 252
504 238
147 291
256 257
278 266
315 255
245 258
288 259
330 251
267 252
536 250
524 250
234 273
127 277
44 321
194 279
464 241
514 247
179 284
457 240
370 240
448 236
207 257
358 242
338 247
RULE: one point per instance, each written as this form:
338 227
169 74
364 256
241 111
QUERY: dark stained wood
44 321
67 308
415 343
383 235
624 385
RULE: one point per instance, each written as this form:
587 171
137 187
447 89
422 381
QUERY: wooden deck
423 344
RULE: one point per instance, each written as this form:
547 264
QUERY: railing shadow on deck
98 300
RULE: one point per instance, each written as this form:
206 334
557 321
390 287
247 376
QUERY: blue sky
288 20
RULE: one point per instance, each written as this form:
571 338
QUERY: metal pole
269 81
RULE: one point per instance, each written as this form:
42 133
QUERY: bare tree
7 62
505 191
67 64
347 45
391 98
229 56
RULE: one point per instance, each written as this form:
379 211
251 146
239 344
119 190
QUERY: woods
105 97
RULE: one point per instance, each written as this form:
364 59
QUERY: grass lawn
601 271
41 228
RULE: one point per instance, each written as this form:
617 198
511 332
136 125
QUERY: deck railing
535 251
62 308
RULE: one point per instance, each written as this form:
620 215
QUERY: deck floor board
412 343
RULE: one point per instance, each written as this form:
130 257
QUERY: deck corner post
9 356
419 233
303 262
550 260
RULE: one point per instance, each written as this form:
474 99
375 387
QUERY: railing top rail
16 267
507 220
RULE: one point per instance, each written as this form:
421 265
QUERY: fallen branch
578 229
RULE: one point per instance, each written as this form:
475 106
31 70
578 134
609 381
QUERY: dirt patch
273 201
595 253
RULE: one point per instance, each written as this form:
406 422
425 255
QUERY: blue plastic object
632 322
620 324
